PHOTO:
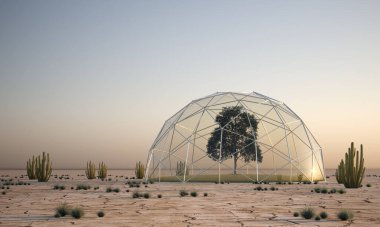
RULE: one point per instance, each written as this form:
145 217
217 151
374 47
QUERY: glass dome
235 137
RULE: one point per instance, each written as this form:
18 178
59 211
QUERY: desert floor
235 204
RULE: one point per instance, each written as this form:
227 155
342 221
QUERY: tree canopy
237 134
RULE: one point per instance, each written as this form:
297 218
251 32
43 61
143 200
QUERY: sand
234 204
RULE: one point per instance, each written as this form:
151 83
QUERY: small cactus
31 168
102 171
43 167
140 170
90 170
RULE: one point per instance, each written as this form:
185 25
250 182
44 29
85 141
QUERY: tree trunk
235 163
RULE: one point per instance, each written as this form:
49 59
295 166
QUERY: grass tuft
62 210
345 215
307 213
77 213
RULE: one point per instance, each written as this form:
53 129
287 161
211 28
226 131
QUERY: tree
238 132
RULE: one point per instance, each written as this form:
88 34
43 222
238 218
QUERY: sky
96 80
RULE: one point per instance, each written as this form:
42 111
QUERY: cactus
180 171
31 168
102 171
350 172
140 170
43 167
90 170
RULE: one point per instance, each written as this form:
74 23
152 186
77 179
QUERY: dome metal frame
283 136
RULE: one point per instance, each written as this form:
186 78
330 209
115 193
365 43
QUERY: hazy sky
95 80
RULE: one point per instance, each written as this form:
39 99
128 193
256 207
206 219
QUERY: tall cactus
102 171
43 167
181 168
350 172
31 168
139 170
90 170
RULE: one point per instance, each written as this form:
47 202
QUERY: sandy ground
234 204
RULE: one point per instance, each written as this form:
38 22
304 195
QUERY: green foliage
307 213
194 194
62 210
140 170
181 169
43 167
323 215
31 168
102 171
109 189
235 138
317 190
117 190
90 170
350 171
77 213
324 190
100 214
345 215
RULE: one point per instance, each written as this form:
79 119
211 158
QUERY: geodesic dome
194 146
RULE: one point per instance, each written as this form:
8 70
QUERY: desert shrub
317 218
258 188
183 193
109 189
307 213
56 215
341 191
100 214
77 213
135 195
323 215
63 209
272 188
146 195
72 187
62 187
317 190
3 192
117 190
324 190
345 215
127 190
369 185
194 194
332 191
56 187
296 214
205 194
82 186
159 196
